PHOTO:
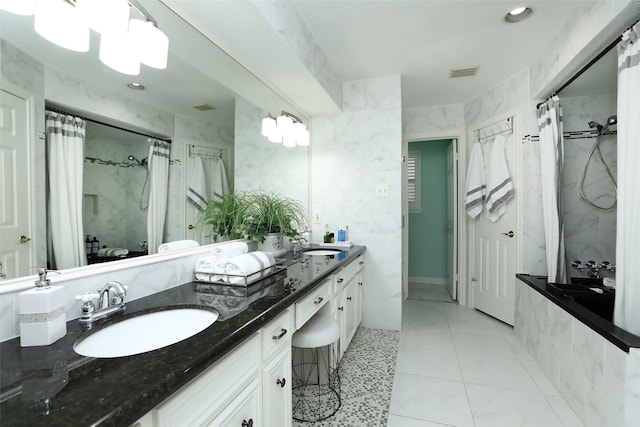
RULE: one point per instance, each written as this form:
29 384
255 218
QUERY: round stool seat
319 331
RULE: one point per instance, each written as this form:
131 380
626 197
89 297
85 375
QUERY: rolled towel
609 282
249 266
209 269
221 253
118 252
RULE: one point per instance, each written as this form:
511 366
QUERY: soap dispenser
43 320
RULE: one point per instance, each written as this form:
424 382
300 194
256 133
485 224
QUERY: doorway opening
432 226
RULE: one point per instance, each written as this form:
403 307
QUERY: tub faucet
95 308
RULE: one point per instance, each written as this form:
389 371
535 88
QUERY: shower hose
596 148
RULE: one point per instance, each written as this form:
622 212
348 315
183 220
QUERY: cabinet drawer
348 272
310 304
277 334
203 398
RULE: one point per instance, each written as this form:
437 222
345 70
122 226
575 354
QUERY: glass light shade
150 44
105 15
60 23
284 124
116 53
19 7
268 126
289 139
275 136
304 138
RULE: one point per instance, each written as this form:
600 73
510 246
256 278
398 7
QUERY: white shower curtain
158 192
551 163
65 144
627 305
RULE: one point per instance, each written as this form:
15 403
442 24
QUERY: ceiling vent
204 107
463 72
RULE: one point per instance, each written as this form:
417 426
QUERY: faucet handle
88 297
577 264
591 264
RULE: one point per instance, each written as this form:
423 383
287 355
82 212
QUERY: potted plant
226 216
256 215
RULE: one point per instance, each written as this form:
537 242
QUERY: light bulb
149 43
60 23
269 126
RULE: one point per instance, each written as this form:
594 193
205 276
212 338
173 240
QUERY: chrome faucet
593 268
95 308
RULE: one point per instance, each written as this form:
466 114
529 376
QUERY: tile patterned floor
429 292
367 371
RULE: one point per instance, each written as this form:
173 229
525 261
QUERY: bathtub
592 363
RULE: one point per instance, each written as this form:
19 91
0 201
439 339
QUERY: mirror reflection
205 103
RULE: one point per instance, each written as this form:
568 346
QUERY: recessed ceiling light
518 14
136 86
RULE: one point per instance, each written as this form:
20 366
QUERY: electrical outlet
382 190
317 217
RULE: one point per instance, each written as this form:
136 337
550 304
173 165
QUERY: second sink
146 332
322 252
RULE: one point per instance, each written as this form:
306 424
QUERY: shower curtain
627 314
65 136
158 192
551 162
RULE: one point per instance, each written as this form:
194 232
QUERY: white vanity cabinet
251 386
348 292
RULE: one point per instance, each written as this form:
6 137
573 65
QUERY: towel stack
116 252
243 268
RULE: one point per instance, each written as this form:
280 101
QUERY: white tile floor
459 367
429 292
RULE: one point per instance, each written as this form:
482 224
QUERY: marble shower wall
590 234
353 152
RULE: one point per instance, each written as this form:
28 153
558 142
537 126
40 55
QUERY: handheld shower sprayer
596 125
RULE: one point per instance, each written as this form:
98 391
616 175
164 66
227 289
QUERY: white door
16 251
452 249
495 250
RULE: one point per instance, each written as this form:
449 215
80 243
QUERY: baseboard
429 280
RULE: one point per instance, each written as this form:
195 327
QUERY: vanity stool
316 380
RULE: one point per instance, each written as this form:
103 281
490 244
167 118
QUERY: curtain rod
58 110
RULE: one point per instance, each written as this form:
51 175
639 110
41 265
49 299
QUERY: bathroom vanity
235 372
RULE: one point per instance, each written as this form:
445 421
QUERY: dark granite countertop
617 336
54 386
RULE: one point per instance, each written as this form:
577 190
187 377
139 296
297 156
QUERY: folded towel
119 252
250 266
197 191
221 253
178 245
499 185
476 189
609 282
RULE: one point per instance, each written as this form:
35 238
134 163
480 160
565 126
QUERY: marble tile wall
590 234
441 118
285 20
144 276
260 164
597 379
352 153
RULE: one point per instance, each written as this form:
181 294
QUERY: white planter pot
274 244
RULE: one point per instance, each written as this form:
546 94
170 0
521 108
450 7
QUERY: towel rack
207 152
581 134
502 127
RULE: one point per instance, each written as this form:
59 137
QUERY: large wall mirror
204 102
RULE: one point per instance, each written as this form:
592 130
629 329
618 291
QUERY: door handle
24 239
509 234
190 226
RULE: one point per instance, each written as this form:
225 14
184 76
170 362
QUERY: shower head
612 120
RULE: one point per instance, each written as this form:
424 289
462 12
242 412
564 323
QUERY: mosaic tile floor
367 371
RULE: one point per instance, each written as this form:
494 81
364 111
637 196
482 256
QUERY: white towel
249 266
213 267
219 184
499 185
221 253
476 189
197 191
119 252
177 245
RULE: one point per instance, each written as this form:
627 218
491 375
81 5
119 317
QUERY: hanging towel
499 182
197 192
219 184
476 189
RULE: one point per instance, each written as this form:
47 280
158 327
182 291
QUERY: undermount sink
322 252
146 332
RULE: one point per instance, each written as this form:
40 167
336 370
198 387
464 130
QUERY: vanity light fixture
124 43
518 14
287 129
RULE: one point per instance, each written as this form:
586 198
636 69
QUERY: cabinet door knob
319 300
281 382
360 283
246 423
341 308
348 298
283 332
340 280
361 262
